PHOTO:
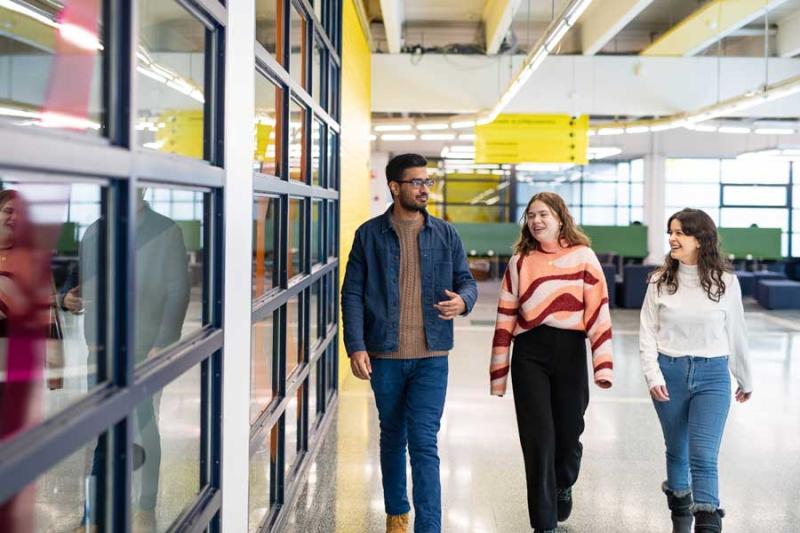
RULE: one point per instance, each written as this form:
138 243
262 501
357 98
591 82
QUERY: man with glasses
406 279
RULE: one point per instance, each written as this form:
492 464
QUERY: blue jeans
409 394
693 420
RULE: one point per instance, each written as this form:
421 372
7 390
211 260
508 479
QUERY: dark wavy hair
570 232
711 264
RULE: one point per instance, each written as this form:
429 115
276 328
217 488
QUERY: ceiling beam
710 23
789 36
497 18
393 16
604 20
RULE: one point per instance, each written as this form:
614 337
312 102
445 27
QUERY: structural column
654 199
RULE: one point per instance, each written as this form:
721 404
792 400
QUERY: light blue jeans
693 421
409 394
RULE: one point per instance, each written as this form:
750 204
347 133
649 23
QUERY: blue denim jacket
371 289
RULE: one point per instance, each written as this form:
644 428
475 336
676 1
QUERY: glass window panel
637 194
262 352
796 245
314 331
331 312
265 228
530 184
294 259
170 269
294 336
297 156
316 73
637 214
623 193
332 233
739 217
623 216
316 156
317 255
623 171
267 30
292 422
318 9
50 77
167 428
785 244
56 500
692 170
313 381
637 170
713 212
171 77
297 39
268 101
262 463
600 172
599 193
755 170
796 191
796 220
333 93
598 216
474 213
691 195
332 181
51 309
769 196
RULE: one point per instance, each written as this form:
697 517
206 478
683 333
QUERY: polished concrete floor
483 487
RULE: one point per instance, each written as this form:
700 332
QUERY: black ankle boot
708 521
681 510
564 503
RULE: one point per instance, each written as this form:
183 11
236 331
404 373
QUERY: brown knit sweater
412 344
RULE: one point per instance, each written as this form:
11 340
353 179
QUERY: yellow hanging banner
524 138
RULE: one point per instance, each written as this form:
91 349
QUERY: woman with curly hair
553 297
692 331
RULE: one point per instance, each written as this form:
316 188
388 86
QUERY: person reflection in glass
162 299
26 301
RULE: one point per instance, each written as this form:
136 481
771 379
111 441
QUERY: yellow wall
355 151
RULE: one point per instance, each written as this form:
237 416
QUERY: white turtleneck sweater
689 323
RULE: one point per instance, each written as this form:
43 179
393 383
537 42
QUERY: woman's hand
659 393
742 396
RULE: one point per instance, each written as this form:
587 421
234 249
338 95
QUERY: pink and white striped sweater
566 290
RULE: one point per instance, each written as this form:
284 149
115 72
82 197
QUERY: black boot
681 510
708 521
564 503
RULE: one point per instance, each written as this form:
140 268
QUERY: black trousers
551 393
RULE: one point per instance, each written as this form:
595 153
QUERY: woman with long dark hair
692 332
552 298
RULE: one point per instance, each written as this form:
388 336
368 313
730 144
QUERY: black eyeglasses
417 182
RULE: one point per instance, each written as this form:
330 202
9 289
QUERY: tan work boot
397 523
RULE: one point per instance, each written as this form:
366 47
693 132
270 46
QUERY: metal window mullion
169 168
209 12
307 11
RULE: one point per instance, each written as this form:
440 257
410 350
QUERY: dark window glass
294 260
317 255
170 267
265 229
267 27
51 64
262 460
297 40
297 142
317 137
262 352
294 338
268 104
171 68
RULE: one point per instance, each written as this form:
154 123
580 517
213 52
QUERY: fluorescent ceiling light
552 40
462 148
393 127
610 131
774 131
575 11
637 129
701 127
466 137
432 126
437 136
733 129
462 124
373 137
399 137
600 152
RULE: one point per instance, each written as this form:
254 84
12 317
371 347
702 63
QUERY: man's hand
73 302
449 309
360 365
660 393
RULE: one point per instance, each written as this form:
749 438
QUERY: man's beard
411 204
